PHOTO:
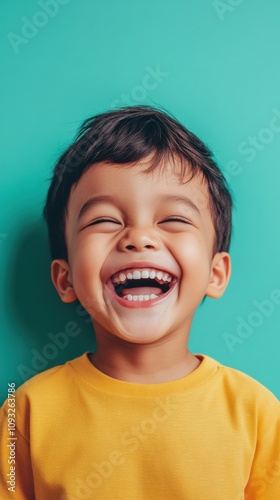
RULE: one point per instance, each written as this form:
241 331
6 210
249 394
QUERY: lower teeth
140 298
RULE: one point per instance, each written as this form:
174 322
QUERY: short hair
126 136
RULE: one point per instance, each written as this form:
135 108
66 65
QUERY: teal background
221 79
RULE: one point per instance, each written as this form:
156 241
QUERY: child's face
130 227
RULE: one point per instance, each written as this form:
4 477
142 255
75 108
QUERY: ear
61 278
220 274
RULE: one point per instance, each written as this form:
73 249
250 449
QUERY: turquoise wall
215 66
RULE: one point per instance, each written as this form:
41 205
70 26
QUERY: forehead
131 185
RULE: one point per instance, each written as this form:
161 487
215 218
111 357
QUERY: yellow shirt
80 434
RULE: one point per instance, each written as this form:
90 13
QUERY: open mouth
141 285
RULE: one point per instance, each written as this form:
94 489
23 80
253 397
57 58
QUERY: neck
163 361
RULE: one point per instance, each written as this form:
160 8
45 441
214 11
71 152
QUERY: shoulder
42 398
244 382
245 395
51 383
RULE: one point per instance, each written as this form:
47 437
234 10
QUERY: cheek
192 255
89 256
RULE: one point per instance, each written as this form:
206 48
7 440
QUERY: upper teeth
137 274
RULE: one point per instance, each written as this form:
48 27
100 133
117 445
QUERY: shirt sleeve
264 481
16 478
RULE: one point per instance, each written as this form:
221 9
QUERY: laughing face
140 252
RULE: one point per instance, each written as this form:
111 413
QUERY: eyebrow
95 200
180 199
91 202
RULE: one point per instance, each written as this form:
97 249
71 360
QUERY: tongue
142 290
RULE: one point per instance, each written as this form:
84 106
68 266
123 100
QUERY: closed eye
175 219
112 221
98 221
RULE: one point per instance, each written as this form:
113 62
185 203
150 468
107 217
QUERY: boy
139 220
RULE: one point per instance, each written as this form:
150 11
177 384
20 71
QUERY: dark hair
129 135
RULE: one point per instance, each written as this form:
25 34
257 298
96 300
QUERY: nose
138 239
